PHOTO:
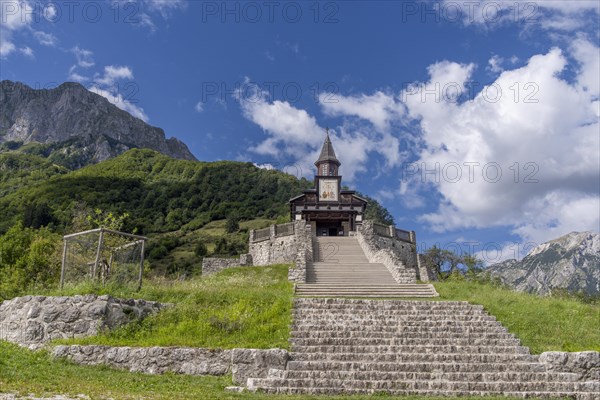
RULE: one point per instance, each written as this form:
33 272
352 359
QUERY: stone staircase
341 269
345 346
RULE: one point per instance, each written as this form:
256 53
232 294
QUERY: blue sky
476 124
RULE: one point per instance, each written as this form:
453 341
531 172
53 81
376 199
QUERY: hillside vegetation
159 193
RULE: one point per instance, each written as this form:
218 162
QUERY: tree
37 215
435 259
377 212
233 224
85 219
473 264
201 249
28 258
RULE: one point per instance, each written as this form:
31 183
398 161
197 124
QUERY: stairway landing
341 269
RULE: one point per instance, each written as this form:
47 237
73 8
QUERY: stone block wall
304 256
151 360
277 248
398 256
586 364
212 265
251 363
425 274
241 363
32 321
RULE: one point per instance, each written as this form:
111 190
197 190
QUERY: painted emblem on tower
328 190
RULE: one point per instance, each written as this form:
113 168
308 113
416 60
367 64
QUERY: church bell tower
328 181
329 210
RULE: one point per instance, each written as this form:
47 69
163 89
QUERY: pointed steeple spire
327 152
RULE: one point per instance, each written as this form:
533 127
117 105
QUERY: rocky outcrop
79 126
32 321
571 262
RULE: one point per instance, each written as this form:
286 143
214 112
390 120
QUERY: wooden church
329 210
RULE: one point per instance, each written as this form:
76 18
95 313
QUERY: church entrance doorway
330 228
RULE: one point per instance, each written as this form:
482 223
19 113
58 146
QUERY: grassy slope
542 323
239 307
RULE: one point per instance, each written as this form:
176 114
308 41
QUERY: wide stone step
399 341
396 324
370 295
299 329
415 367
408 316
361 285
349 272
254 384
405 349
370 286
369 305
416 357
397 319
345 259
376 375
422 334
412 311
335 287
498 387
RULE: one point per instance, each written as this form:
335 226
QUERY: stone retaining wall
425 274
586 364
277 248
242 363
304 256
212 265
399 257
32 321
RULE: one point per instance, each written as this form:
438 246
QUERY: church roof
327 152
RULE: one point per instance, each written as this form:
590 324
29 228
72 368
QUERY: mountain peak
80 124
588 242
570 262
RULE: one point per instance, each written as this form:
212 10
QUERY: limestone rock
31 321
80 125
571 262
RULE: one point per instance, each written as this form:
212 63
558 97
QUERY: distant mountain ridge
571 262
76 126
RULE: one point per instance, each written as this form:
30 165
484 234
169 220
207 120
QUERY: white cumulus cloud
536 129
14 15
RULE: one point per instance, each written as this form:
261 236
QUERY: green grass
542 323
239 307
25 372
